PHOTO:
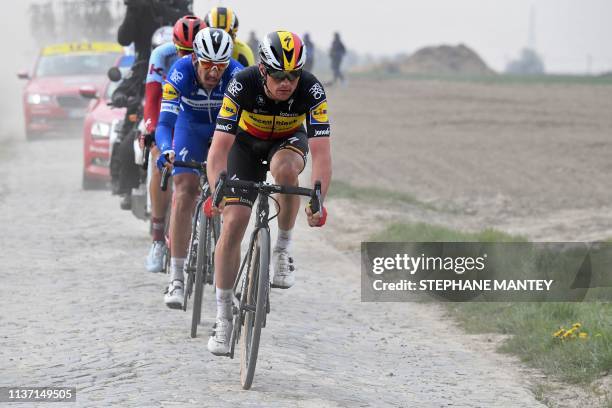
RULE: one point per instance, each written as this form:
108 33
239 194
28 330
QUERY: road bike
251 300
199 263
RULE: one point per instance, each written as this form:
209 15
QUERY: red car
51 100
99 129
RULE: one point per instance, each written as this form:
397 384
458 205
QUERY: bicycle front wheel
257 295
202 270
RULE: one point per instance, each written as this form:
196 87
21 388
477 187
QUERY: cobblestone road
78 309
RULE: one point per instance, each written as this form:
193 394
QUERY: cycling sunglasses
280 75
206 64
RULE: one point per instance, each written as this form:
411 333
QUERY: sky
567 32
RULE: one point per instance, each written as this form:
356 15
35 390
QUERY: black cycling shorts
249 159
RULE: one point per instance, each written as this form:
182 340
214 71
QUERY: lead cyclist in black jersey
261 127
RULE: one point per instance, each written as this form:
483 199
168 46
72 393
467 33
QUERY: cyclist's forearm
320 151
153 96
163 136
216 161
163 132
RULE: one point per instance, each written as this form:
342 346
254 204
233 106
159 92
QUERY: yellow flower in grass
577 325
559 332
583 335
569 333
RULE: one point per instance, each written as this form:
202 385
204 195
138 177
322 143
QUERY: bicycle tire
202 263
257 295
166 256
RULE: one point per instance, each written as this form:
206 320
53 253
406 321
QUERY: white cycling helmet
213 44
161 36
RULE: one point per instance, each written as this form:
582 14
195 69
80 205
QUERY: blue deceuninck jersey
188 109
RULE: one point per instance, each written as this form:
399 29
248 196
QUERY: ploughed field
528 157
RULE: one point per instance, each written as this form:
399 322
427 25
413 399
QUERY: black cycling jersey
247 107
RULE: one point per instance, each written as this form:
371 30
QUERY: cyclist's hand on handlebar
165 160
317 219
210 210
215 210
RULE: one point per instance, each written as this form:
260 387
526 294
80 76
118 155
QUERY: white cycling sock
176 269
283 241
224 303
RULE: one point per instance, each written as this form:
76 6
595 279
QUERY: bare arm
217 156
320 150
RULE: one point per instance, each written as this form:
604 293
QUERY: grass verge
342 189
531 325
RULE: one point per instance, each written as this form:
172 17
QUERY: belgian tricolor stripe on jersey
270 126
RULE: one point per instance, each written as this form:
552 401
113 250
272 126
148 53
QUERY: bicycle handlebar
179 163
224 183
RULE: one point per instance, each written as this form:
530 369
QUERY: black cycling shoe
126 202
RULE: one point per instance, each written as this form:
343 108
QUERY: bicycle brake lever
218 196
315 199
164 179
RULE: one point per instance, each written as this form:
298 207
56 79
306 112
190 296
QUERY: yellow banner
71 48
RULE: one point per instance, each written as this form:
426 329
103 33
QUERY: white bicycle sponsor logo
317 91
234 87
176 76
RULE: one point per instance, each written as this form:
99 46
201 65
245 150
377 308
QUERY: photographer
142 19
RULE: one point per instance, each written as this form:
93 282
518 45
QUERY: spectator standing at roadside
336 53
310 51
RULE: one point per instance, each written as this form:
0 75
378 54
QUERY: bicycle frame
261 222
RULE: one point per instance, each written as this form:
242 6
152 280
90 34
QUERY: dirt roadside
79 310
529 159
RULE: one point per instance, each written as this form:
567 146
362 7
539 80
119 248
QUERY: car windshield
75 64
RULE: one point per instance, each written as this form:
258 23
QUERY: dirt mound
445 60
440 60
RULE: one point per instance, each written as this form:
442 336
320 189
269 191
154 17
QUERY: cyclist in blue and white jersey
192 97
162 59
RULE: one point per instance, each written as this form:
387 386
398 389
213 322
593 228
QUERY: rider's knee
286 170
185 188
235 219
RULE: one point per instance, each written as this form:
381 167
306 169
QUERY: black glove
149 139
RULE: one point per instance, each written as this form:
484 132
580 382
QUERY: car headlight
100 130
37 99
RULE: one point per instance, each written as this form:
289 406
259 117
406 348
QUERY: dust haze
19 54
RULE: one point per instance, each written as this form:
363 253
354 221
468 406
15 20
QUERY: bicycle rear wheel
257 294
203 263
